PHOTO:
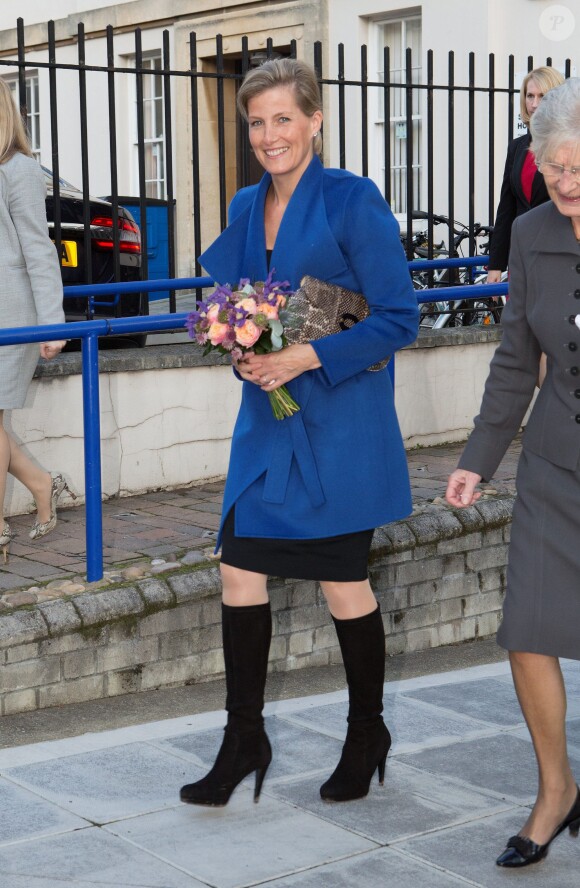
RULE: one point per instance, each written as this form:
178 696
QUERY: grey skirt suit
30 279
542 603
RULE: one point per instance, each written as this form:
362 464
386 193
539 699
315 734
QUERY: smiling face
281 134
565 191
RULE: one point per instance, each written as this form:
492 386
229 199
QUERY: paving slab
296 749
264 841
503 763
470 851
26 816
107 784
494 704
386 867
91 858
413 726
411 802
456 787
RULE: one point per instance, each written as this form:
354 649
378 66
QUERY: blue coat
339 464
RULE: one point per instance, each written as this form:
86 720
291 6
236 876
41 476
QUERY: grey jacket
30 280
544 298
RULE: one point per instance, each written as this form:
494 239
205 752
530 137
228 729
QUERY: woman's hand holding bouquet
245 323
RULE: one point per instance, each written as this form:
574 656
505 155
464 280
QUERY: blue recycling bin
157 237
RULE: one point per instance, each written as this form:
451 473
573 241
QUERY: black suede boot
362 642
245 748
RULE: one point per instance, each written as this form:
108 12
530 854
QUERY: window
398 34
153 127
32 109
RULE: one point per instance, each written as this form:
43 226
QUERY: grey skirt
541 612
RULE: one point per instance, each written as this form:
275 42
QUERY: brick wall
439 577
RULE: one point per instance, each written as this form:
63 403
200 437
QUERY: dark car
102 258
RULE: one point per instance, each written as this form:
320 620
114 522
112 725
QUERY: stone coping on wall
439 576
112 600
171 356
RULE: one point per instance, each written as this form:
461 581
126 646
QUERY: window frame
397 117
155 146
32 108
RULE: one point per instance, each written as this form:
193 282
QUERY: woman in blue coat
303 494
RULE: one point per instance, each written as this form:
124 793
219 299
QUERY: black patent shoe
521 851
240 754
365 751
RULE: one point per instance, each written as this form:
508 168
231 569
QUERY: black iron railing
439 106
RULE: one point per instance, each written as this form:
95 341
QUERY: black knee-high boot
362 642
245 748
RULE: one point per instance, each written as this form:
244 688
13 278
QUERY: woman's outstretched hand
277 368
461 490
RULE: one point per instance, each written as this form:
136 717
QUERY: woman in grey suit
30 293
541 619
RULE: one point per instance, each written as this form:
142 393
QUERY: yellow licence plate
68 254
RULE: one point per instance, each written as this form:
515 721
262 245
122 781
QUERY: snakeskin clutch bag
323 309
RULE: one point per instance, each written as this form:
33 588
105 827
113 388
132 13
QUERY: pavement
89 791
100 808
165 524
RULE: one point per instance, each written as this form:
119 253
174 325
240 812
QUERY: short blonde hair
13 136
298 75
546 78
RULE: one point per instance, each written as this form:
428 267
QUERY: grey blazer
544 299
30 279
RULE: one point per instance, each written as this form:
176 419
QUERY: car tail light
129 234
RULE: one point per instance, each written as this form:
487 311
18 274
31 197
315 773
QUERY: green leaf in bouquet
276 330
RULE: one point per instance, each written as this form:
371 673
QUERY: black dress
341 558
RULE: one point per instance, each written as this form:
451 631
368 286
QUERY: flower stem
282 403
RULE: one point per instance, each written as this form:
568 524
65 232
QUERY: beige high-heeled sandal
59 485
5 540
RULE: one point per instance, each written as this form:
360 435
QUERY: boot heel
381 769
260 774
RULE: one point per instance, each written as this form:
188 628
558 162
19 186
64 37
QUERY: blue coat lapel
305 242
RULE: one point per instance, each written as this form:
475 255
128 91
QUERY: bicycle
460 312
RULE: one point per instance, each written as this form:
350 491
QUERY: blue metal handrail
116 289
90 331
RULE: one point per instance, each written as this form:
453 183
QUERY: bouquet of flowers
236 320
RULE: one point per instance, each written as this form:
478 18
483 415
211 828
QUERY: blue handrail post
92 446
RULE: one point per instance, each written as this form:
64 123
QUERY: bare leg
4 462
243 588
347 601
542 696
15 461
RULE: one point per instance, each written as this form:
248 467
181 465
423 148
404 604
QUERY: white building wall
35 11
522 28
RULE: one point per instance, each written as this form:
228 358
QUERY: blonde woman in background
523 185
30 294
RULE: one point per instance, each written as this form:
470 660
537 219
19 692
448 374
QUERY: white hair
556 120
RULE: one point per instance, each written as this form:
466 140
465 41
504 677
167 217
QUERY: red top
529 170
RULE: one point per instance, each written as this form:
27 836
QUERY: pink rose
248 304
268 310
213 313
217 333
248 334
